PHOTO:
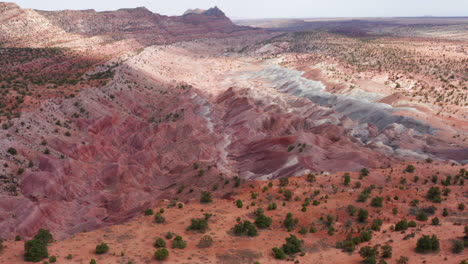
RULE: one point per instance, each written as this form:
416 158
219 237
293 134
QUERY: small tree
293 245
160 243
427 243
262 221
35 250
346 179
362 215
44 236
289 222
102 248
434 194
239 204
161 254
435 221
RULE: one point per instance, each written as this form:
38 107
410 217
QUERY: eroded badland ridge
107 114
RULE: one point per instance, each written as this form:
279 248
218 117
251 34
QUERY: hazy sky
271 8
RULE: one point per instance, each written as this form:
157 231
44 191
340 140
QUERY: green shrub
158 218
35 250
376 224
178 242
278 253
17 238
411 224
206 197
198 224
102 248
421 216
364 172
362 215
434 194
93 261
12 151
289 222
272 206
239 204
386 251
169 235
161 254
368 251
402 225
435 221
410 168
245 228
293 245
160 243
427 243
53 259
44 236
149 212
377 201
262 221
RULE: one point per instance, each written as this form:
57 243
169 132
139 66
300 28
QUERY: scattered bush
410 168
159 219
239 204
377 201
278 253
245 228
434 194
160 243
206 197
262 221
293 245
149 212
386 251
102 248
402 225
161 254
362 215
289 222
179 243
